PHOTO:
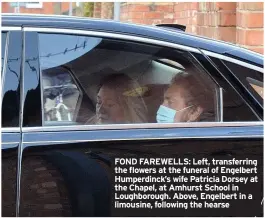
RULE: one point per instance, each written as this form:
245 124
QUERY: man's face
173 98
108 108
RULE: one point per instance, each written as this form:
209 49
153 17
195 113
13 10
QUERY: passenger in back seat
119 101
187 100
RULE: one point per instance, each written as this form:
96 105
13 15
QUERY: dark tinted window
11 85
4 36
251 79
236 106
88 80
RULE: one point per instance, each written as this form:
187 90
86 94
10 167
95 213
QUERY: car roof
152 32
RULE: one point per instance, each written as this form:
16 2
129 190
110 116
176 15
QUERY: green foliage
88 9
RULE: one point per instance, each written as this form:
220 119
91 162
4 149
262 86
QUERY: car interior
73 86
80 79
80 97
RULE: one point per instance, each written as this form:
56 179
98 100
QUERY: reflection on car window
11 85
67 48
60 95
93 81
4 35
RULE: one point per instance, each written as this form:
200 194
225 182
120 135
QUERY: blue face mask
167 115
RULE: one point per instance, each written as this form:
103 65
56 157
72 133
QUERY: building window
33 5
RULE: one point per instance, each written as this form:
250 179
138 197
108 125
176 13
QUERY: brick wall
97 9
5 7
186 14
147 13
47 8
250 25
217 20
106 10
235 22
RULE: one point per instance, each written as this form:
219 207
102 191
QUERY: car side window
91 81
252 79
65 101
3 55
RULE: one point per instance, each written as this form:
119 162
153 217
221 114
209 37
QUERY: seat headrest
153 98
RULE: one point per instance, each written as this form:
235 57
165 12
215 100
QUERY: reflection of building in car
59 112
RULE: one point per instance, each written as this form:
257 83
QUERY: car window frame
31 82
119 36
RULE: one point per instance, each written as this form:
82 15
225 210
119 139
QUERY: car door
11 134
69 140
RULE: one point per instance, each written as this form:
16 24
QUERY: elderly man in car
187 99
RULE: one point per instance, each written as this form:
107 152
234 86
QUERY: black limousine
78 92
